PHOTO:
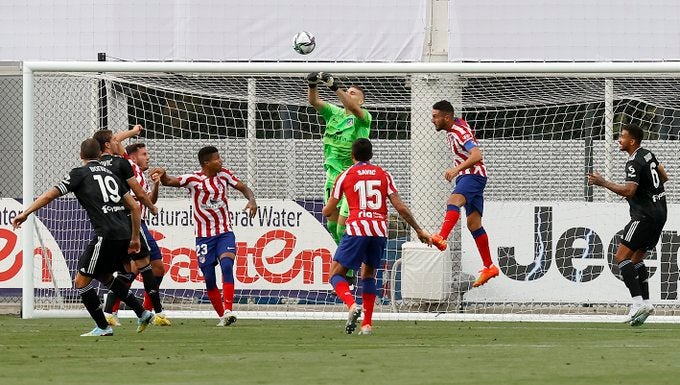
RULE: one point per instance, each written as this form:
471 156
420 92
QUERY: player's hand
424 237
134 246
450 174
596 179
18 220
156 174
313 79
251 207
329 81
153 210
137 129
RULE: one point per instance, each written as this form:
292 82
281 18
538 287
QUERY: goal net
552 236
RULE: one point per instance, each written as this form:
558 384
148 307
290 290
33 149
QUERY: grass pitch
50 351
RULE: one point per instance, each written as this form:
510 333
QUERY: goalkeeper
343 127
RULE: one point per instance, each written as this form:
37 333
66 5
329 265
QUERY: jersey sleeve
337 185
229 177
391 187
634 171
71 182
363 126
187 180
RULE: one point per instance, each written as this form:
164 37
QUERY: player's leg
349 255
453 205
374 253
627 248
128 272
87 264
475 209
226 249
343 209
158 270
207 260
143 263
331 221
651 232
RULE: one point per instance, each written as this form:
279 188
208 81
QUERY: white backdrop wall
564 30
214 30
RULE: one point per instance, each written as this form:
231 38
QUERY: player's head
357 93
139 154
442 115
89 149
209 158
105 139
362 150
630 138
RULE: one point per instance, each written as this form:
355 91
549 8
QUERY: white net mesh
552 235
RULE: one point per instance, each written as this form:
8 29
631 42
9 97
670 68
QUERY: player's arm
43 200
626 190
331 207
141 195
136 222
475 157
154 191
159 175
663 175
250 196
347 102
406 214
313 97
119 149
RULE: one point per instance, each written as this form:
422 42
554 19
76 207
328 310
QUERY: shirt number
369 194
108 187
655 175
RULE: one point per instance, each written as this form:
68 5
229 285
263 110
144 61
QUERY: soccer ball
304 43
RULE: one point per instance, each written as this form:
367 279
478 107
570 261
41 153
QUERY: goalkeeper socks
216 300
151 287
642 275
93 305
450 220
368 295
482 241
629 278
333 229
341 288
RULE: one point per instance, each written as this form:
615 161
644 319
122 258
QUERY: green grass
49 351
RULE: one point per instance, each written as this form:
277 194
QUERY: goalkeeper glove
313 79
328 80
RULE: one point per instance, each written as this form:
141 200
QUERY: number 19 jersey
366 188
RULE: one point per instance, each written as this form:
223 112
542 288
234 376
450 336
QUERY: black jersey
649 201
101 195
120 167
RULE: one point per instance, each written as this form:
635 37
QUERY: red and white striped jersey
457 136
209 198
143 181
366 188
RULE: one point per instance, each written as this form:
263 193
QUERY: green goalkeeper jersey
342 129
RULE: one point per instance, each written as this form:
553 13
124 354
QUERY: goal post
541 127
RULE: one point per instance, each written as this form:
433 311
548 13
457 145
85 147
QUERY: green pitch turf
50 351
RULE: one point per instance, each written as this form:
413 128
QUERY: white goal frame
525 69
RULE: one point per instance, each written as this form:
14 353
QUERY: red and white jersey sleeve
366 188
457 137
143 181
209 198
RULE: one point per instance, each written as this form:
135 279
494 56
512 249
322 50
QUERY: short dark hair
635 131
360 88
362 150
103 137
205 152
89 149
444 106
134 147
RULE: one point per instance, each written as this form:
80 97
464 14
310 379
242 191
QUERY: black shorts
102 256
642 234
143 250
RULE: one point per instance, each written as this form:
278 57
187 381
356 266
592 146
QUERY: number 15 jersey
366 188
